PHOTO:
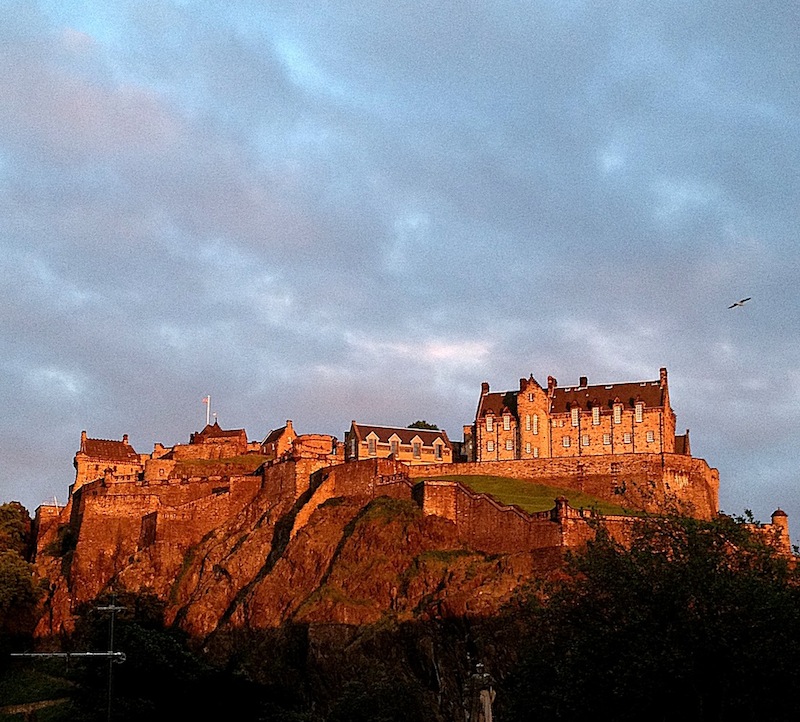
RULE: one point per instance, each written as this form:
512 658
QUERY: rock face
301 541
342 544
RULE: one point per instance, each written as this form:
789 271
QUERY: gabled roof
650 393
497 402
109 450
274 435
214 431
384 433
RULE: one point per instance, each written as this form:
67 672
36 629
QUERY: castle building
412 446
99 458
278 441
582 420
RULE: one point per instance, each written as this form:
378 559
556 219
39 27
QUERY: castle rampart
653 483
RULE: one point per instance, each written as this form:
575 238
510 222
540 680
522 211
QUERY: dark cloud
326 212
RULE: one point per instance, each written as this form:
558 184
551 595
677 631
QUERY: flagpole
208 409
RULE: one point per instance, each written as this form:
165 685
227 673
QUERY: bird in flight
740 303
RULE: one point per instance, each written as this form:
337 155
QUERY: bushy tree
423 425
692 621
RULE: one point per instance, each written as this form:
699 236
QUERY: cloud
364 212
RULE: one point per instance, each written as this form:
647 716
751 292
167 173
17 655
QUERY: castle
136 516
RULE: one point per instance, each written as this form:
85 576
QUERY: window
617 413
527 447
530 396
585 440
489 423
566 441
575 411
417 449
509 444
606 439
639 412
395 448
437 451
596 415
506 422
371 447
535 452
527 422
490 446
626 438
651 437
535 424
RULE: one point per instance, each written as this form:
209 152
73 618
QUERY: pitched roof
215 431
274 435
384 433
498 401
604 395
109 449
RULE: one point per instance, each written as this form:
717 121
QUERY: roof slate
384 433
109 449
649 392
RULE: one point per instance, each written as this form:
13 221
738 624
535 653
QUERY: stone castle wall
651 482
483 523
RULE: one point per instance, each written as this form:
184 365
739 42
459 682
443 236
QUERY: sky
325 211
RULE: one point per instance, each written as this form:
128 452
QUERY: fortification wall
485 524
650 482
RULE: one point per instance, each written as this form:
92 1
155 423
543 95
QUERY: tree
693 620
423 425
19 595
15 528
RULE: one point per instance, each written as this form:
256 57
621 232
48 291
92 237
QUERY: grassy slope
531 496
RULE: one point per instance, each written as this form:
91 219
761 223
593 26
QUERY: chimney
484 388
662 373
584 382
551 383
125 439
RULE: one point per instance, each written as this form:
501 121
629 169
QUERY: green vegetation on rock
533 497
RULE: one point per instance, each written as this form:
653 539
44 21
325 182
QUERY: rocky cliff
289 543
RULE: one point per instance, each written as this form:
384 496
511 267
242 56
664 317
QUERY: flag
205 399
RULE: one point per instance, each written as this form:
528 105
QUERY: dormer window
506 422
489 423
371 447
575 411
437 451
639 412
416 448
595 415
395 448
